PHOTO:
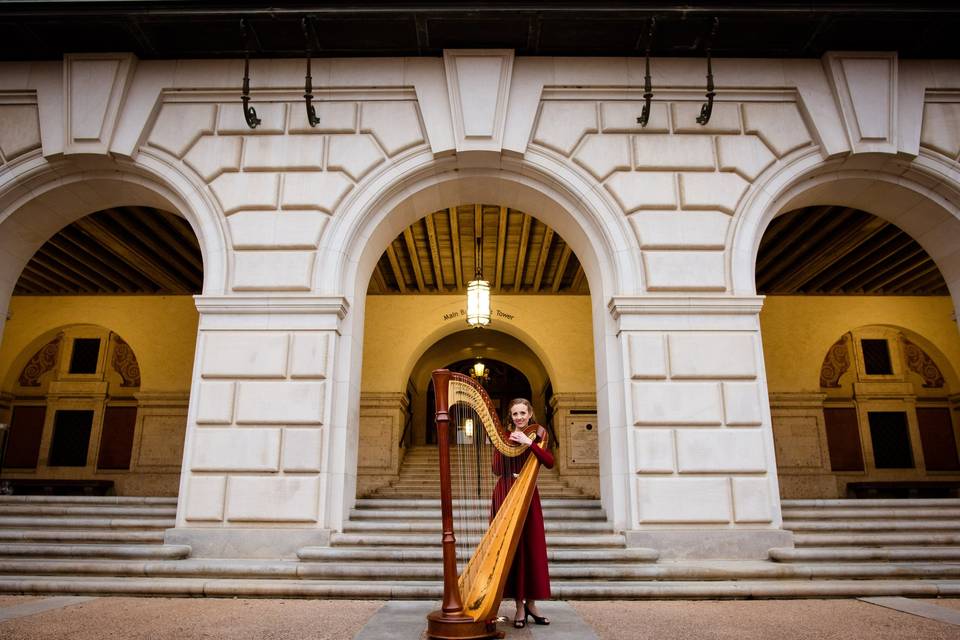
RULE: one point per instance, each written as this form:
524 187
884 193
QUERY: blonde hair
526 403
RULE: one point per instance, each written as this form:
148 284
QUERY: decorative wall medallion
125 363
42 361
923 365
836 363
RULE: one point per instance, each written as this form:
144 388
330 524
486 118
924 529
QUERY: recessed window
891 440
876 357
71 438
85 355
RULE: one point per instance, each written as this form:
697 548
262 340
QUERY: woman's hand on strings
521 438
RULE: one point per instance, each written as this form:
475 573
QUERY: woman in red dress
529 579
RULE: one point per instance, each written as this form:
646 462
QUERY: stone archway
590 223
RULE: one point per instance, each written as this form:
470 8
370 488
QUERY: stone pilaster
382 420
576 426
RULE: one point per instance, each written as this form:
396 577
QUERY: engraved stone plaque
582 439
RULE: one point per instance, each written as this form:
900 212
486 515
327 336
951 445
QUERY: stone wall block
19 129
179 125
744 155
236 450
215 402
684 270
647 190
712 355
562 124
212 155
395 125
601 155
681 229
779 124
742 404
676 403
272 230
277 153
273 118
95 87
751 500
684 500
319 191
278 499
866 88
663 151
725 118
720 451
205 498
711 190
244 354
335 117
237 191
273 270
280 403
648 355
940 130
302 449
621 117
309 357
653 449
355 155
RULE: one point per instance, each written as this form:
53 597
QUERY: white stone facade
665 219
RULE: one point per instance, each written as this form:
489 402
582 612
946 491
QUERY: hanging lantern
478 303
479 371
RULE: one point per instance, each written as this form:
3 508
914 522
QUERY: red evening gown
529 577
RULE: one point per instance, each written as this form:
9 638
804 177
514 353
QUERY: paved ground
32 617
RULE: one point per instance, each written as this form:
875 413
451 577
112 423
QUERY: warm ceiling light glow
479 370
478 303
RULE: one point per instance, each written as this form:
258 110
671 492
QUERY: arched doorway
102 244
867 258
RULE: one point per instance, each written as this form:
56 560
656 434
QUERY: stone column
259 464
576 426
700 444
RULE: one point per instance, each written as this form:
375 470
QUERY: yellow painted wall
161 330
798 330
398 329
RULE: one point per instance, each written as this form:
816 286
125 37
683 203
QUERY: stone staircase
389 549
420 478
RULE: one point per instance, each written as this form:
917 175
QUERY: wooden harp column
470 601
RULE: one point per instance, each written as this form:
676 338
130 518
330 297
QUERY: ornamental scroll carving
836 363
125 363
923 365
42 361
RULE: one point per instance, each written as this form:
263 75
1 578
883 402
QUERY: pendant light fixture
478 289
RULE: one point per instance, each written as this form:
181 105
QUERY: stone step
421 492
872 525
78 536
875 539
163 551
828 554
435 554
367 539
872 513
434 526
103 511
434 503
50 522
848 503
366 589
475 514
90 500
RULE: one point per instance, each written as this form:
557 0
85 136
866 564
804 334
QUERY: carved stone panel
922 364
42 361
836 363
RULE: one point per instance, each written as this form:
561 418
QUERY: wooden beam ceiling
843 251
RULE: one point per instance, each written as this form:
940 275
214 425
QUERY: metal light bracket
707 108
249 113
308 81
647 84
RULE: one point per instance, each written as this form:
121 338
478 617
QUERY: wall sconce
647 84
308 81
479 371
707 108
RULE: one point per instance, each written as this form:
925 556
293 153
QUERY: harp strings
473 480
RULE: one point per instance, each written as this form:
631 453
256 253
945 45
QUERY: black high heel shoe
536 619
520 623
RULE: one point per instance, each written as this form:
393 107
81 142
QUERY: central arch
592 224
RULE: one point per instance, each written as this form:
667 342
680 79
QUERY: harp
470 601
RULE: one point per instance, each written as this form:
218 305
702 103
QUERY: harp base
442 626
